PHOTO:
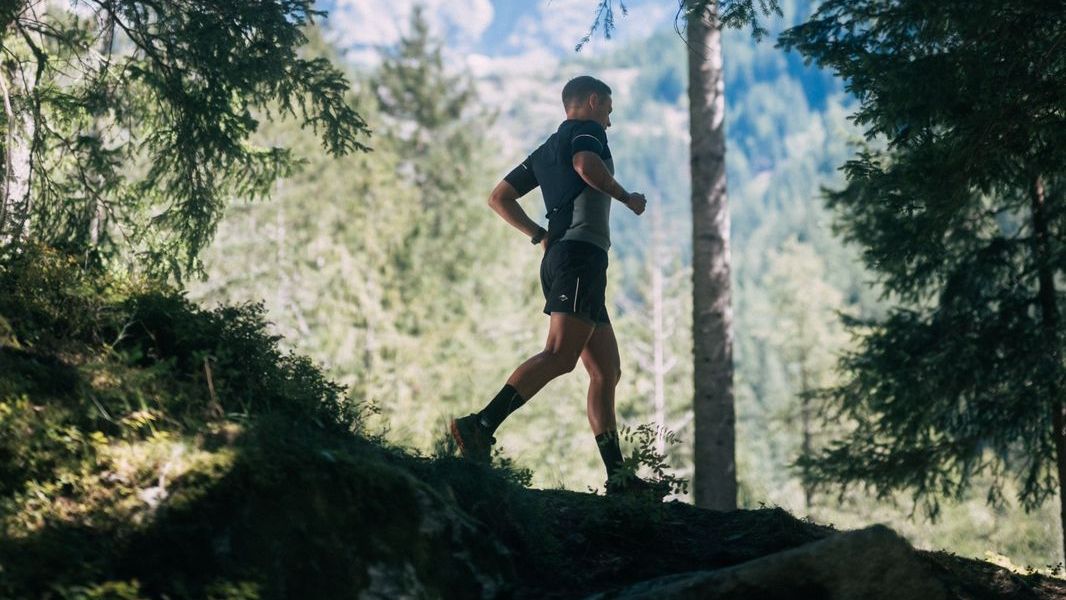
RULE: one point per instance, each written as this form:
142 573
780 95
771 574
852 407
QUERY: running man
575 172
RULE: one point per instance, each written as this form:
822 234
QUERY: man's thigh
600 355
567 334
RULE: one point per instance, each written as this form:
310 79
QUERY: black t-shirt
551 166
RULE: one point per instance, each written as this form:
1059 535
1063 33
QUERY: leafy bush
643 454
226 361
118 397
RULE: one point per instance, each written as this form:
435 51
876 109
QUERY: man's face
601 109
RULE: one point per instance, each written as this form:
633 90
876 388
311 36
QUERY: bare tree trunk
1049 323
714 480
98 216
658 337
18 152
805 418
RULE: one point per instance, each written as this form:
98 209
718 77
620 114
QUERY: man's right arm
504 200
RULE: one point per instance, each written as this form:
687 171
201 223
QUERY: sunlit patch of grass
122 482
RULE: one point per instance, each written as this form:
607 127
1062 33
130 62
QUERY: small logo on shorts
562 298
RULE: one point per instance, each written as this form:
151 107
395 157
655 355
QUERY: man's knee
563 360
609 375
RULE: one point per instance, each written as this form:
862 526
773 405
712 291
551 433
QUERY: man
575 172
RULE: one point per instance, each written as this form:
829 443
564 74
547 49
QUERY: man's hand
544 244
636 202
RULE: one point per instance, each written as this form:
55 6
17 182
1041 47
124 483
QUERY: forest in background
414 294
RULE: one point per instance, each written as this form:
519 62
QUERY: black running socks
505 403
609 451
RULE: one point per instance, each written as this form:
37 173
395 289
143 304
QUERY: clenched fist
636 202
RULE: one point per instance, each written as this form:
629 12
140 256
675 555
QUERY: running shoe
473 438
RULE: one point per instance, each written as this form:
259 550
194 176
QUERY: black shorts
573 277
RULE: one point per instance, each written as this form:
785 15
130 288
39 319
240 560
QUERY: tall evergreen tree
384 265
957 204
715 476
126 122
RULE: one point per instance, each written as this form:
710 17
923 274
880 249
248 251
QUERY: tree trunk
1049 323
805 419
19 128
658 336
714 479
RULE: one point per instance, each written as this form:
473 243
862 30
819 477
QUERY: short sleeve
589 136
522 178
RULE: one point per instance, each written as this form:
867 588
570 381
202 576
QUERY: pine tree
126 123
803 326
438 127
957 204
385 265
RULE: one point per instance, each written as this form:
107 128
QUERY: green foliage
735 14
126 473
385 266
227 350
108 590
46 295
964 121
111 428
359 270
644 455
93 361
136 117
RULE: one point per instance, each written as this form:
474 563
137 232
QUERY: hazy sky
485 30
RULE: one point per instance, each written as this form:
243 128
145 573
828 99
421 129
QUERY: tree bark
1049 323
714 479
18 153
658 336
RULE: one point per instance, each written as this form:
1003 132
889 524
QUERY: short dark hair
578 89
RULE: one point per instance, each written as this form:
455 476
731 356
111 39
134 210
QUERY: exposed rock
870 564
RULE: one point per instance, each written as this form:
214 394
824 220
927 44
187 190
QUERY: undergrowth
150 447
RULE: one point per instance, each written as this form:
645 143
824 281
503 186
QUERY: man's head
588 98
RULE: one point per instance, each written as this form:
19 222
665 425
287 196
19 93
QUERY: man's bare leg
567 337
600 357
602 362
